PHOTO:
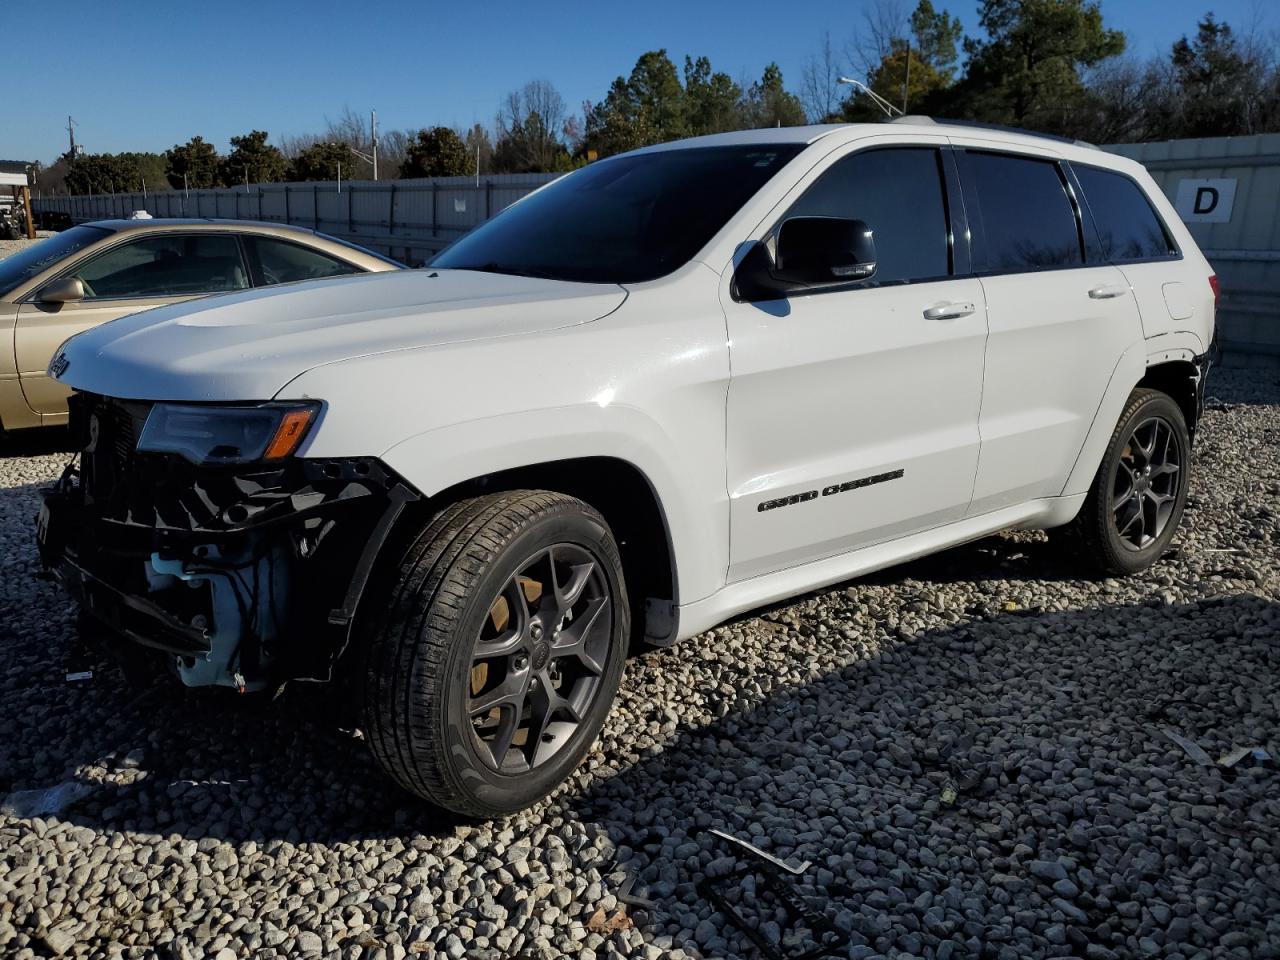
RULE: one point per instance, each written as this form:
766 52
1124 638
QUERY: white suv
670 387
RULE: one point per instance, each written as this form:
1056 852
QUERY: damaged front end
247 572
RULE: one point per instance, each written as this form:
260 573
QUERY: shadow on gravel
38 442
1076 819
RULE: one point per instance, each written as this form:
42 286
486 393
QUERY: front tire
493 664
1138 495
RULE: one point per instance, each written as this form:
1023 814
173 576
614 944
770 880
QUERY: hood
247 346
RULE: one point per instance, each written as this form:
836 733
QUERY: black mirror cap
826 250
814 253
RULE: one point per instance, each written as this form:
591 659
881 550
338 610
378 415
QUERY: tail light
1214 286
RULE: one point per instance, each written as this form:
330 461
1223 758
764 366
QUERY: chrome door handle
948 311
1108 290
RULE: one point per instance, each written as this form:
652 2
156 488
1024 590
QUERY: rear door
134 275
1136 240
853 413
1059 319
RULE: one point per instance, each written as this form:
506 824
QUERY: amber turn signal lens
287 436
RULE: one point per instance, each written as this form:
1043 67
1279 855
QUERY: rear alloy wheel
493 667
1132 510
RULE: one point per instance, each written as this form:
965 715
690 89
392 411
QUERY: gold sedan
99 271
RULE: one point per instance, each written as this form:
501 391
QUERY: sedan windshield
623 220
26 263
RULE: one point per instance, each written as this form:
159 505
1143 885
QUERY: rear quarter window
1128 226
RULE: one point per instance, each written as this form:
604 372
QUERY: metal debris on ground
1257 756
756 851
1189 747
814 935
633 899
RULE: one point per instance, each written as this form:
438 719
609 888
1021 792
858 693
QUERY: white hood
247 346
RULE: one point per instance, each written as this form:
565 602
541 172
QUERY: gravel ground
833 729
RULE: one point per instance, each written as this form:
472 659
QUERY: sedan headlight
213 434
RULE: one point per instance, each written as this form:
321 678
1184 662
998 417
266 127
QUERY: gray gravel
830 729
13 246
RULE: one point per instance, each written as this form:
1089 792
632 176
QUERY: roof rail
1003 128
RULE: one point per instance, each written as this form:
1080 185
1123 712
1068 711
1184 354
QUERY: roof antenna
859 87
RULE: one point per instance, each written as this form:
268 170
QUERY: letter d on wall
1205 201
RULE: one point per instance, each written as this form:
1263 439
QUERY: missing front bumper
246 576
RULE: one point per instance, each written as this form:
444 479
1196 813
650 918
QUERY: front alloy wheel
495 652
540 657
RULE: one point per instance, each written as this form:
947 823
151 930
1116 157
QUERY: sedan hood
248 346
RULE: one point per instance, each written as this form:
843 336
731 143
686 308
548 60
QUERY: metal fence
1227 190
409 219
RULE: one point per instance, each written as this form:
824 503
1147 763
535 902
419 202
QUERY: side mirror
62 290
814 253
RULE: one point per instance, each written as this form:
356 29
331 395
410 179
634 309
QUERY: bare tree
393 147
820 83
535 97
354 130
529 126
886 24
291 146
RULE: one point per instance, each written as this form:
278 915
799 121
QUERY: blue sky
143 74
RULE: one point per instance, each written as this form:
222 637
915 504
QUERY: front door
132 276
853 414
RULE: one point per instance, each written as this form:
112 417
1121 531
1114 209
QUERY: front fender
437 459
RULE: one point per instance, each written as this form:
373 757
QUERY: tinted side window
280 261
165 265
1127 225
1027 217
899 194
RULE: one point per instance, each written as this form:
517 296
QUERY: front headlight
212 434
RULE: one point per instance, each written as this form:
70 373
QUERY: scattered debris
781 865
631 899
1189 747
1258 756
949 792
79 675
812 926
776 880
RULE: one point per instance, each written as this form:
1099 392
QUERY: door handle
1108 291
948 311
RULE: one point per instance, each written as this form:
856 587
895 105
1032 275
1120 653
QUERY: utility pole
906 79
373 136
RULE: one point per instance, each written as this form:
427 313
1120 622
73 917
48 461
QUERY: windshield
26 263
622 220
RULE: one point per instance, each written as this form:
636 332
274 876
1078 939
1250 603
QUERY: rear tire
1136 501
515 599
